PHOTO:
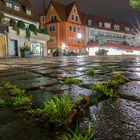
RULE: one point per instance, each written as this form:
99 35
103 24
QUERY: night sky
112 8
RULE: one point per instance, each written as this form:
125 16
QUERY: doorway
36 49
13 48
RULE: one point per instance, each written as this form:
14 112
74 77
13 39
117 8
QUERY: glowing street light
79 35
63 46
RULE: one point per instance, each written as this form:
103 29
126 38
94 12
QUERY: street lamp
79 35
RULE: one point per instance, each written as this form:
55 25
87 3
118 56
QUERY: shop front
3 40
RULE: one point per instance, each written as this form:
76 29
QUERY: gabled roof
43 9
69 8
62 10
96 19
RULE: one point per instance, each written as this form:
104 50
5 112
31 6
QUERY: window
52 28
78 30
78 41
116 27
72 17
76 18
74 29
89 22
100 24
28 12
107 25
127 29
53 18
16 7
43 19
9 4
74 10
70 28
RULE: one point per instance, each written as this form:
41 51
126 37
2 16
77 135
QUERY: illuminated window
16 8
116 27
74 10
28 12
107 25
89 22
127 29
9 4
100 24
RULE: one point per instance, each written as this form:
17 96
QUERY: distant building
11 41
64 26
64 22
117 36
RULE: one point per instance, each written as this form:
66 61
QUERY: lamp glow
63 46
79 35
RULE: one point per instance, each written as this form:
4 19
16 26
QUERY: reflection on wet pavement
121 122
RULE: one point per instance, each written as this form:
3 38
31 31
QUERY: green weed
58 111
21 100
77 135
91 71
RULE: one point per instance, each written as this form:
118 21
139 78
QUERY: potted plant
57 52
25 50
102 52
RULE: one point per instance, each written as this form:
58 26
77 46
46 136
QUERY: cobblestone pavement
121 123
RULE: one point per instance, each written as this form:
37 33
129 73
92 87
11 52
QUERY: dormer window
16 8
9 4
107 25
89 22
100 24
116 27
127 29
28 12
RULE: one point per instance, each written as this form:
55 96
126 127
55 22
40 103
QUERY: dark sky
112 8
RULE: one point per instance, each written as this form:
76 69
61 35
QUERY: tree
135 4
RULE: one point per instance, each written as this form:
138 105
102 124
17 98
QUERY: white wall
21 39
113 51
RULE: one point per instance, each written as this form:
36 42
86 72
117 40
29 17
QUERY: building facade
13 38
118 37
64 22
64 26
